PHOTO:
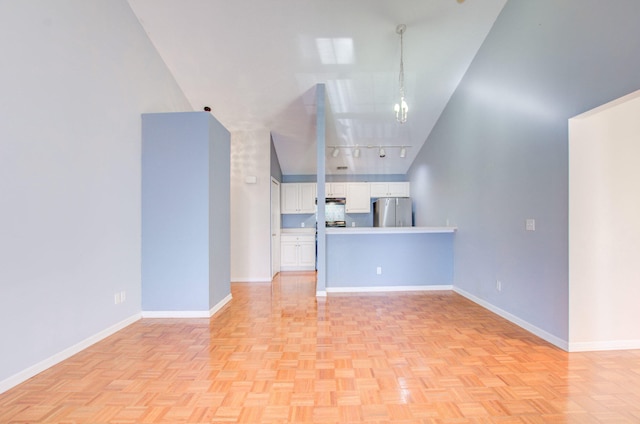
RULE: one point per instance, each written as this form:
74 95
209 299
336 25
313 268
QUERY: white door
275 227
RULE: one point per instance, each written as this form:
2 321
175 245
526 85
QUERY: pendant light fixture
401 107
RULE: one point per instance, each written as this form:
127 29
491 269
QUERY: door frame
275 225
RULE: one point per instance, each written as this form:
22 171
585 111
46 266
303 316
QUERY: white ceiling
256 64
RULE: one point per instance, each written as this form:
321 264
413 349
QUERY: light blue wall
405 259
321 243
219 211
276 171
498 155
185 212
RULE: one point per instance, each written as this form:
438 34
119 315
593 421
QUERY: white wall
250 206
75 78
604 227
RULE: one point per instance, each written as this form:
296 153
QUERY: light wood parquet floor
277 354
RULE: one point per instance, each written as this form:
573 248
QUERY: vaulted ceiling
256 64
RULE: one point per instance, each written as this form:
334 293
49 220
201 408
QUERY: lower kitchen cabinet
297 252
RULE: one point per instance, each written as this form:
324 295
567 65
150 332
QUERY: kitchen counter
389 230
300 230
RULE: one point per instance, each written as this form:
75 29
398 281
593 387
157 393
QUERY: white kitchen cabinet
390 189
338 190
298 198
297 252
358 198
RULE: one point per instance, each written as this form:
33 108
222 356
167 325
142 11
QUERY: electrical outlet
379 270
499 285
123 296
117 299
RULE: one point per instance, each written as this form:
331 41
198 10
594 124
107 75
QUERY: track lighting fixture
356 150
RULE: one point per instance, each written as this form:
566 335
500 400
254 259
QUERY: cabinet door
379 189
289 198
307 254
336 190
387 189
399 189
307 198
288 255
358 198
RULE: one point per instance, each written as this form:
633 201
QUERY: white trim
251 280
604 345
298 268
370 289
175 314
33 370
321 293
554 340
187 314
220 305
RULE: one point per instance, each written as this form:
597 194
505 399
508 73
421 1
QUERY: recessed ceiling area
256 64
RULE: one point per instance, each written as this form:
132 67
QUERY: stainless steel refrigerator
392 212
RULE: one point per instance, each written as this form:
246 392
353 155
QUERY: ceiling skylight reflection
340 93
335 51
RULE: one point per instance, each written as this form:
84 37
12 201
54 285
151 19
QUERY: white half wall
250 206
604 227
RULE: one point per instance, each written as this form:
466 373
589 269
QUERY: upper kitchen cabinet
338 190
358 198
390 189
298 198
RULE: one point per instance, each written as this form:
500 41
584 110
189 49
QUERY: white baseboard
187 314
251 280
556 341
33 370
220 305
604 345
371 289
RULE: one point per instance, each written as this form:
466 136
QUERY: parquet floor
276 354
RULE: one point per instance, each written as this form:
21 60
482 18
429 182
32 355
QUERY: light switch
531 224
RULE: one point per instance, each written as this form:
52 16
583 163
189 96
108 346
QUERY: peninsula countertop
388 230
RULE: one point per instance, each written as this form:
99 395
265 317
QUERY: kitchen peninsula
389 258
